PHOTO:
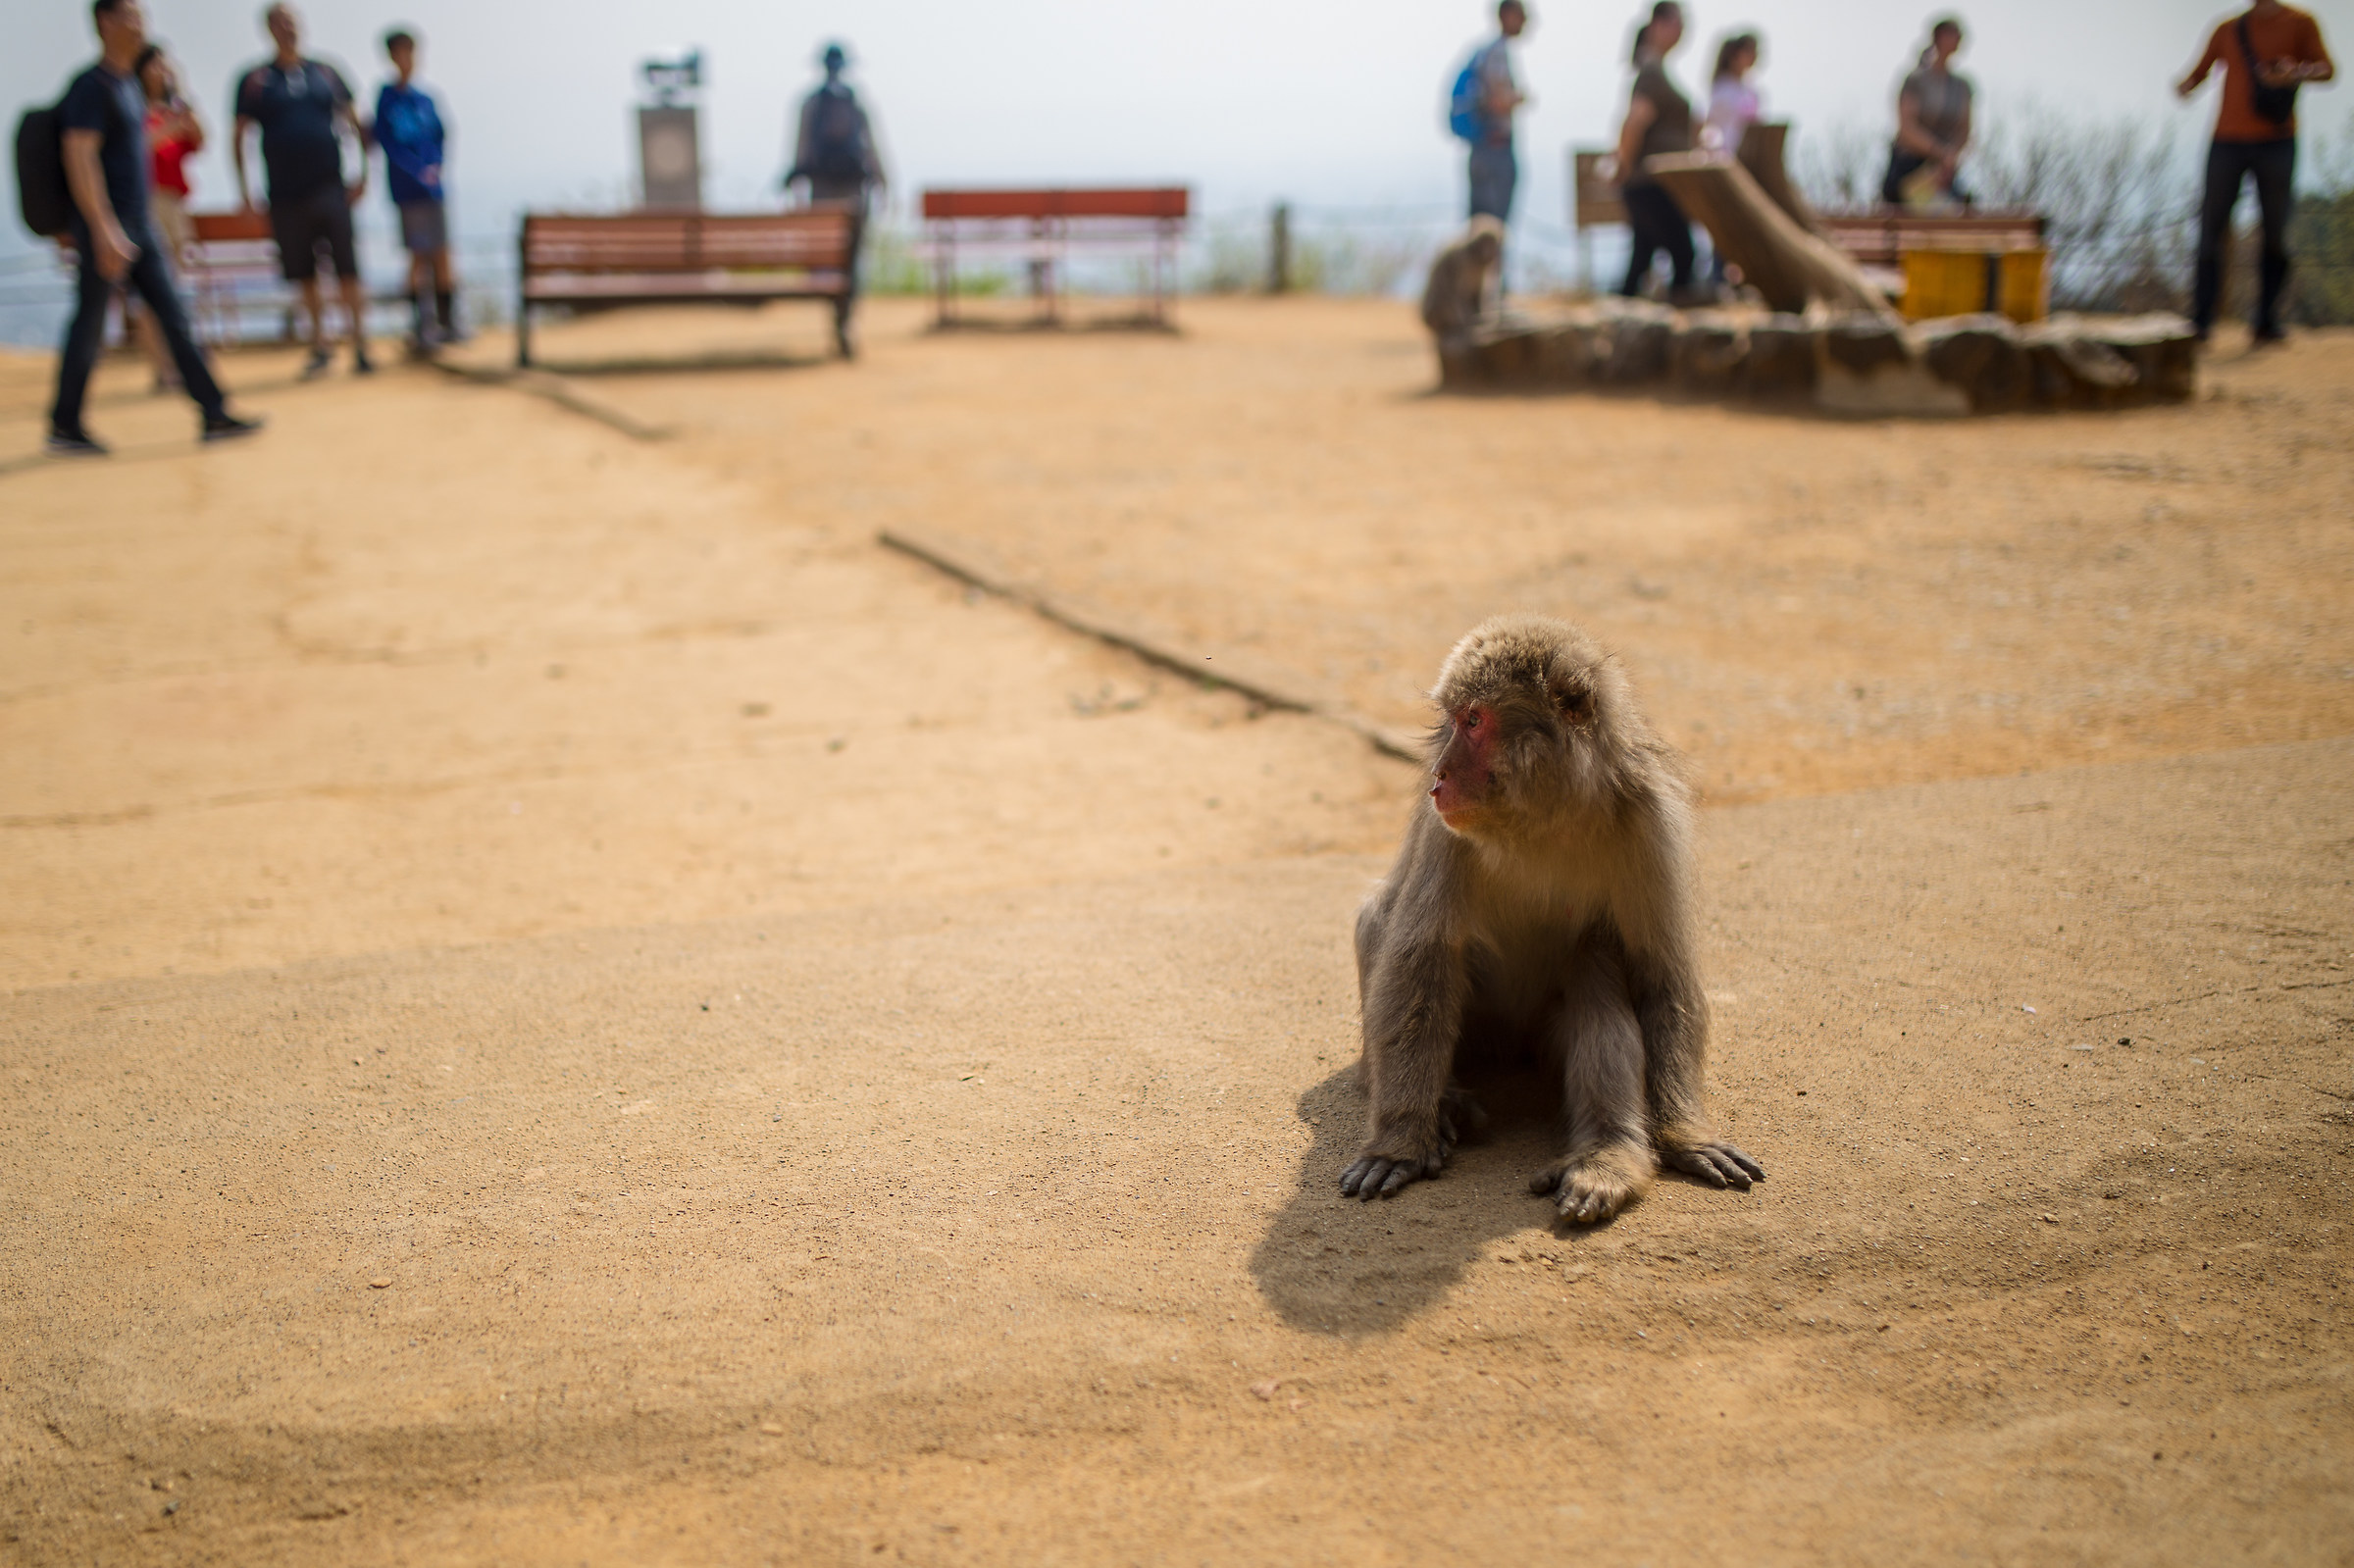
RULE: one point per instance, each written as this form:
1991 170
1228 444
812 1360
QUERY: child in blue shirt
408 128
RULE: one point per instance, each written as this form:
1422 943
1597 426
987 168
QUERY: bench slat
642 287
1170 201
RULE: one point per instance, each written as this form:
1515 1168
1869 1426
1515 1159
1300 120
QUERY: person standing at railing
408 128
103 126
2266 52
837 164
1659 121
298 104
1733 107
1933 114
1489 96
174 135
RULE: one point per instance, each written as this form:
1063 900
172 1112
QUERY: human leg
2275 164
1675 238
151 280
1645 233
78 355
2226 167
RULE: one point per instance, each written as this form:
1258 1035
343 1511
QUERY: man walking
408 128
1497 95
834 155
2266 52
104 132
297 104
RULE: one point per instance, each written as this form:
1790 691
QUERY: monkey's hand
1720 1165
1391 1159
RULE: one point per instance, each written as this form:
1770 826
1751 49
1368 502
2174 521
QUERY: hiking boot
317 365
74 443
226 427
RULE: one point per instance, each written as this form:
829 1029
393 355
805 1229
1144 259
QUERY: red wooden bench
595 262
1042 226
1880 239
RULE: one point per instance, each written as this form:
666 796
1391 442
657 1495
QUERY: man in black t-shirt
300 105
104 123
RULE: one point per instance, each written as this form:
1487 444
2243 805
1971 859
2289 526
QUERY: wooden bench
1042 226
231 268
599 262
1880 238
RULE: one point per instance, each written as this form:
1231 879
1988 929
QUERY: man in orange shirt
2266 52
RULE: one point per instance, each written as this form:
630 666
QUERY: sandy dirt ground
562 1006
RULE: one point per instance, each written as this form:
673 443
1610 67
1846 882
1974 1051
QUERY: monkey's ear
1577 704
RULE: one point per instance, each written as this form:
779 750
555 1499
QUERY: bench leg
841 327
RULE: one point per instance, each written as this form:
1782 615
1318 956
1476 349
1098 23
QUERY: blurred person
1734 104
298 104
1659 121
2266 52
1733 107
103 126
1495 164
834 162
1932 126
408 128
174 134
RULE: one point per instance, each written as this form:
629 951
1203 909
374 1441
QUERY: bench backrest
1168 201
814 239
232 227
1879 238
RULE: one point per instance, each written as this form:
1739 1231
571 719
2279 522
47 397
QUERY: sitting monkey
1457 290
1541 904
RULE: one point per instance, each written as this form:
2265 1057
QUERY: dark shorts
424 228
301 227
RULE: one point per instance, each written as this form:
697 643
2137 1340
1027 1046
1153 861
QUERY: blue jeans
2228 164
150 276
1494 171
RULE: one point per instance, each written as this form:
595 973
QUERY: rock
1630 343
1863 343
1781 358
1872 368
2074 370
2162 348
1565 353
379 1283
1979 354
1705 353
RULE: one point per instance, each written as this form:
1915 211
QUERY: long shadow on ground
1334 1265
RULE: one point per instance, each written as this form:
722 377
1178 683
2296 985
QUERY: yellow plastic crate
1949 282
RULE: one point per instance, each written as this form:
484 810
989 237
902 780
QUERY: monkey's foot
1720 1165
1593 1186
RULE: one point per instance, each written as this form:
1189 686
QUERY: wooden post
1279 249
523 294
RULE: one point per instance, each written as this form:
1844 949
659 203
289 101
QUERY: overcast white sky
1324 102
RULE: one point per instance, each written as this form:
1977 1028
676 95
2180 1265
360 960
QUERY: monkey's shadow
1330 1264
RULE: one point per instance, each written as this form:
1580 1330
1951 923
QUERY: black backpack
841 136
41 191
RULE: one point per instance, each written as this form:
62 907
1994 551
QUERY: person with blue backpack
1480 112
833 158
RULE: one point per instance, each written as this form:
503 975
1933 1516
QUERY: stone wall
1855 364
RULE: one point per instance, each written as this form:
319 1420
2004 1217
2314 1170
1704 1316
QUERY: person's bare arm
1640 113
359 130
114 250
2198 74
236 157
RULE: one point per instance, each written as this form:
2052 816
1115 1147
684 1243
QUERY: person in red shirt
173 134
2266 52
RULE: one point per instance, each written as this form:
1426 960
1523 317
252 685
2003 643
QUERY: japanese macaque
1541 909
1458 292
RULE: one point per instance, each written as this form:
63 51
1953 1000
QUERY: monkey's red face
1466 778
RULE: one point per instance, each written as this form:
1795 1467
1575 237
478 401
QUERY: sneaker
74 443
316 366
361 364
226 427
